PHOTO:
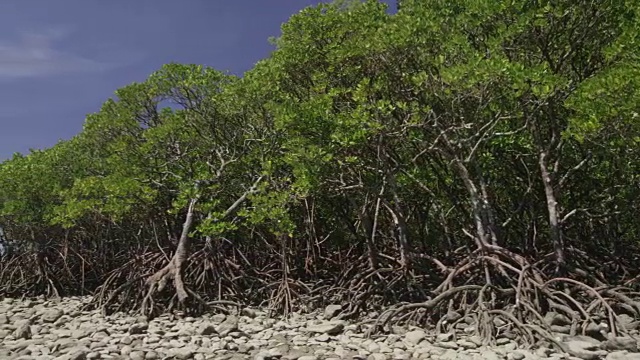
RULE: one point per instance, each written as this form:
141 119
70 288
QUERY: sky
60 60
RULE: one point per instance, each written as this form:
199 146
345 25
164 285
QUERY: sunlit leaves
352 100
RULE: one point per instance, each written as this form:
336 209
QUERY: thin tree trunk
401 224
477 208
369 225
555 231
182 252
174 269
490 218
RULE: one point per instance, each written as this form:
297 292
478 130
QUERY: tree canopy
480 151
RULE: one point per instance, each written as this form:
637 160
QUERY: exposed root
33 273
491 292
138 286
156 284
120 291
502 293
363 290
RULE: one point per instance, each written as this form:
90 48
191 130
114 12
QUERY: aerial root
362 289
157 282
18 278
136 286
498 293
121 289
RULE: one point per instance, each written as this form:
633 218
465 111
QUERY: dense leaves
372 158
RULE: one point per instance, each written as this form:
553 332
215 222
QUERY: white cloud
34 55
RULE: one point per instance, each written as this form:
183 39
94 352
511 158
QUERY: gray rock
206 329
80 334
452 316
521 355
23 330
499 322
341 351
93 355
248 312
543 352
554 318
625 320
622 355
561 329
229 325
244 348
267 355
479 341
62 320
137 355
506 348
597 331
77 354
585 350
621 343
138 328
447 345
218 318
377 356
588 339
415 337
444 337
449 354
279 350
151 355
65 344
490 355
51 316
89 335
398 330
182 353
126 340
332 311
328 328
126 350
308 357
401 355
466 344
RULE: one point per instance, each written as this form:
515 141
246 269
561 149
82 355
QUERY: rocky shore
59 329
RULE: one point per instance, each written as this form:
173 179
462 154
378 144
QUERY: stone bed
59 329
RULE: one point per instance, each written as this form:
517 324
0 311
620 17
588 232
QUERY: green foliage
432 115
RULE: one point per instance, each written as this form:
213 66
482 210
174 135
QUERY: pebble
36 329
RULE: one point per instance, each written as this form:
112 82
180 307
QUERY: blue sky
59 60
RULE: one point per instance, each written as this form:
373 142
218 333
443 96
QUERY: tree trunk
555 230
370 226
490 218
173 270
476 204
401 224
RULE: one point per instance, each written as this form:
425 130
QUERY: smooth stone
329 329
415 337
332 311
621 343
584 350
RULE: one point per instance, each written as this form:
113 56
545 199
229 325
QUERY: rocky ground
59 329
